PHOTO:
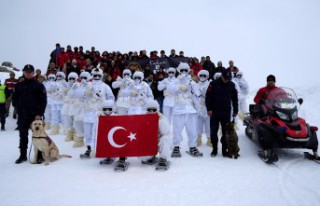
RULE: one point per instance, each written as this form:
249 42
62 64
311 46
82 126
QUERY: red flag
127 136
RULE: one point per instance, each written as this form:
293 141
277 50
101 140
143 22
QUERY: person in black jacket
219 96
30 100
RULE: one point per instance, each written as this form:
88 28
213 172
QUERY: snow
262 37
189 181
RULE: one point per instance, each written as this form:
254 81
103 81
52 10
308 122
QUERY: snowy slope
189 181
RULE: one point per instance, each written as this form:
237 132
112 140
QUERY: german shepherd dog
42 142
232 140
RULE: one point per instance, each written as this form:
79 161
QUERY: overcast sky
262 37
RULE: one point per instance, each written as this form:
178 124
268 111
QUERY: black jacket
219 97
29 98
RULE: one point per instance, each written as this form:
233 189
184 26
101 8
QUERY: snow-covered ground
189 181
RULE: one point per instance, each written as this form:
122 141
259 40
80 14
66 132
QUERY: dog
42 142
232 140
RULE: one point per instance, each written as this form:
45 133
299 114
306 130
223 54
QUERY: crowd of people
79 86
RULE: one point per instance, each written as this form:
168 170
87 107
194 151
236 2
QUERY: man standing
219 96
3 93
30 100
10 84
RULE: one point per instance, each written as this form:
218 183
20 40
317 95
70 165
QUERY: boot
23 157
86 155
2 127
47 126
199 141
214 152
78 142
69 136
55 130
209 141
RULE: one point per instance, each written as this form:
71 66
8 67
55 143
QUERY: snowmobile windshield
282 98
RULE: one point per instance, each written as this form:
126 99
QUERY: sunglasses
170 72
96 75
83 77
59 76
137 78
126 74
107 109
183 70
72 78
151 109
239 75
203 76
51 78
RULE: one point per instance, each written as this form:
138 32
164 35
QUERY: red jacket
10 83
263 93
62 59
196 68
114 72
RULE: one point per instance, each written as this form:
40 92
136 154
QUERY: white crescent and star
111 139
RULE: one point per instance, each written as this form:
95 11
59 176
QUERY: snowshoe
106 161
151 161
176 152
163 164
194 152
309 156
86 155
121 166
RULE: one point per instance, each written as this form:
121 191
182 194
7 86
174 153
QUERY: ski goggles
83 78
139 78
170 72
97 76
152 110
183 70
126 74
202 75
72 79
107 109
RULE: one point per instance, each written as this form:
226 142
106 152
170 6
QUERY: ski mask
126 74
137 77
97 74
203 75
51 77
72 78
60 76
84 76
183 69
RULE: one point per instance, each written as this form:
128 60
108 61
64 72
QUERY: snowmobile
275 124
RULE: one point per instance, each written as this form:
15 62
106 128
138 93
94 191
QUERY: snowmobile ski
309 156
270 161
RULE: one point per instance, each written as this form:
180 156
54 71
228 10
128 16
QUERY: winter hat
152 104
226 74
73 75
86 75
60 75
96 71
127 71
107 104
171 69
239 74
183 65
203 72
52 76
28 68
271 77
138 74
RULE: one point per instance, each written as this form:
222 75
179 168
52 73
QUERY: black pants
24 122
2 114
214 127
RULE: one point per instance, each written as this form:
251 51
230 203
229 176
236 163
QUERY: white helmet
60 75
72 77
85 76
152 106
217 75
97 74
171 71
183 65
51 77
138 76
108 106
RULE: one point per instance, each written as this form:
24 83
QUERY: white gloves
134 93
183 87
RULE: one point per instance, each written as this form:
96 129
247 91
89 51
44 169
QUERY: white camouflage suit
96 92
168 101
140 93
50 86
123 99
184 111
203 118
242 92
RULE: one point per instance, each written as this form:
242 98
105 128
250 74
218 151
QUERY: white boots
199 141
55 130
78 142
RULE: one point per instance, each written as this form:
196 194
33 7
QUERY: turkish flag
127 136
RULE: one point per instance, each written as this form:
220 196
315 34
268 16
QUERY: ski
162 167
309 156
121 166
199 154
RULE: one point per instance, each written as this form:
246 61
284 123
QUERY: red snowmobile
276 124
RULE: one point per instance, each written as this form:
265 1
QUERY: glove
88 92
183 87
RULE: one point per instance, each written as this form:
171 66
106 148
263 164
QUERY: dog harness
46 138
